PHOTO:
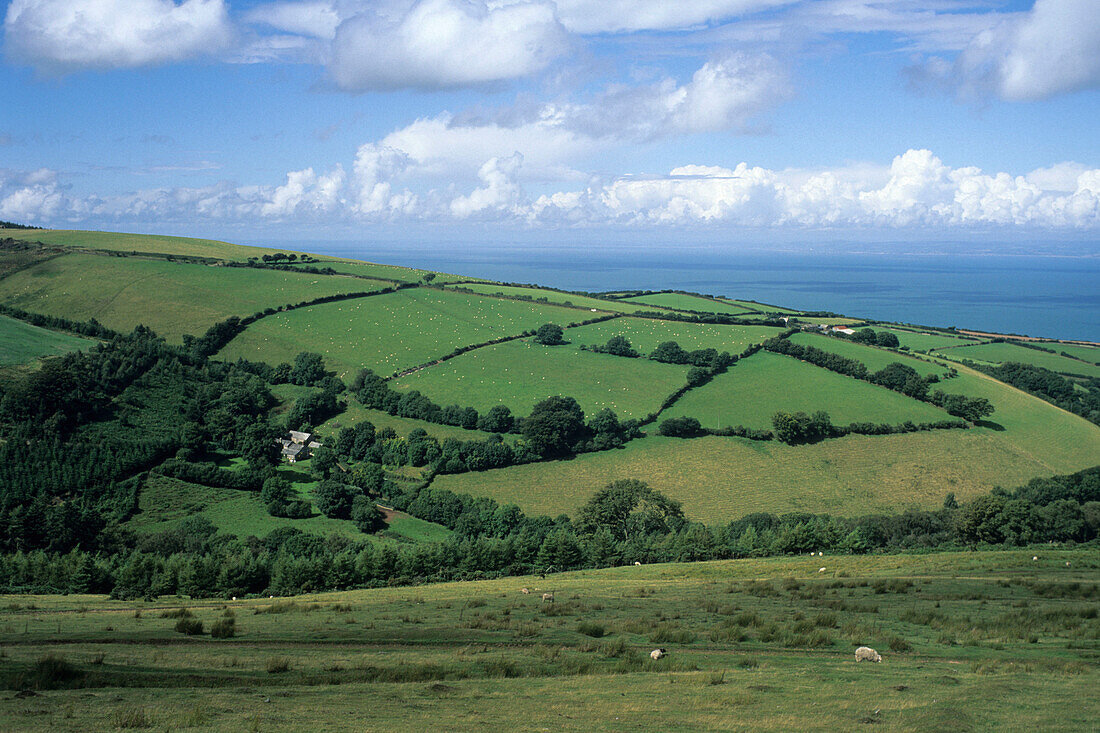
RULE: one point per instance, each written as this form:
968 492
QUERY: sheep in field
658 654
548 597
821 570
525 591
637 564
867 654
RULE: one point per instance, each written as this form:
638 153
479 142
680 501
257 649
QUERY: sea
1048 295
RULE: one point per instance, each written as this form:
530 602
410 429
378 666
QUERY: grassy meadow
970 641
378 271
356 413
1090 354
682 301
874 357
756 388
390 332
520 373
553 296
645 334
718 478
147 243
172 298
1002 352
927 340
166 502
22 343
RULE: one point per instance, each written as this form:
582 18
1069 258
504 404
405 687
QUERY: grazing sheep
1034 558
548 597
821 554
821 570
525 591
637 563
658 654
1067 563
867 654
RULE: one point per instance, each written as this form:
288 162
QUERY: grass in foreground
171 298
391 332
970 641
756 388
22 343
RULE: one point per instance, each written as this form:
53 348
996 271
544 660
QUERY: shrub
131 716
223 628
189 626
176 613
49 672
898 644
590 629
277 665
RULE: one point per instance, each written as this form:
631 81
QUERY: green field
150 243
171 298
376 270
970 641
645 334
22 343
756 388
1002 352
925 340
391 332
1090 354
874 357
165 502
719 479
553 296
680 301
520 373
759 307
356 413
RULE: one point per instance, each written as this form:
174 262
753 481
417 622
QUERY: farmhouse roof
299 437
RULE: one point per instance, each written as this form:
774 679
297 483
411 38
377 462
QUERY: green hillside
22 343
391 332
765 383
874 357
645 334
172 298
928 340
519 373
1002 352
682 301
553 296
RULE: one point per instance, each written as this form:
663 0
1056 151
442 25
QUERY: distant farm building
297 446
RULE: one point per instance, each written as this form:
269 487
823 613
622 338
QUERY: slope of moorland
172 298
970 641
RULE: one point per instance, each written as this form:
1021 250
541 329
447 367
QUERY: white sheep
1034 558
867 654
637 564
821 570
549 597
658 654
525 591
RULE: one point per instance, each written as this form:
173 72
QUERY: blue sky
330 119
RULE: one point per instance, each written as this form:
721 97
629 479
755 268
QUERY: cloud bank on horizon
577 113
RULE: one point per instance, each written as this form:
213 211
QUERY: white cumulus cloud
64 35
499 191
439 44
1052 49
